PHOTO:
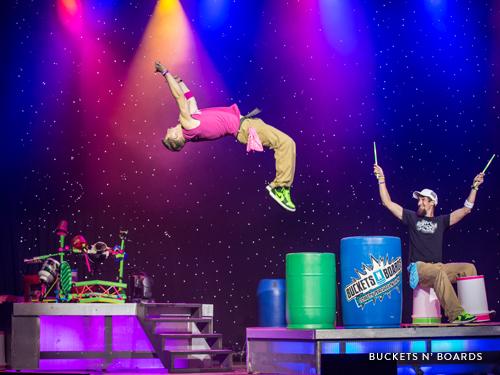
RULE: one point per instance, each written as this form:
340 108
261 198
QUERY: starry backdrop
83 116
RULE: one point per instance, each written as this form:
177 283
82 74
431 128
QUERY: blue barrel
371 281
271 295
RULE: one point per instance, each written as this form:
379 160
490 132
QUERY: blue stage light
213 13
472 345
295 347
330 348
360 347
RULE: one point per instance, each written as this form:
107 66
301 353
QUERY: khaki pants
441 277
282 144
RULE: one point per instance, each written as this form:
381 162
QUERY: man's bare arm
459 214
176 91
395 208
191 100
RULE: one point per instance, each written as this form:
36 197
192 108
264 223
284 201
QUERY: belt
254 112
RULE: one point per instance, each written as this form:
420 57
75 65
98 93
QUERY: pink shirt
215 123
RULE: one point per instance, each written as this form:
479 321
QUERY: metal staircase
183 337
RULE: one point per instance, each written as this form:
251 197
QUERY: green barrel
310 290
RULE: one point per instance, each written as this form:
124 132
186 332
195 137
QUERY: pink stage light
70 15
147 107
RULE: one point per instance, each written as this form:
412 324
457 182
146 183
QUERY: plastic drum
371 281
271 297
310 290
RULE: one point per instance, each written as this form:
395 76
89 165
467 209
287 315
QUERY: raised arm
395 208
193 106
459 214
176 91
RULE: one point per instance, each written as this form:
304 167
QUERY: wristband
164 73
381 182
188 95
474 187
468 204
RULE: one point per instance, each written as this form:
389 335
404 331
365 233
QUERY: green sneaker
464 317
281 194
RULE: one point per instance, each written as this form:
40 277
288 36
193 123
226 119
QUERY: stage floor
470 330
239 369
112 335
293 351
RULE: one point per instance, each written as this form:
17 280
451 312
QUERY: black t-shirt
426 236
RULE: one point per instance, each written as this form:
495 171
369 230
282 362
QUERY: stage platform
291 351
178 337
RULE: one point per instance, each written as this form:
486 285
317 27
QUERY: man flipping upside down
196 125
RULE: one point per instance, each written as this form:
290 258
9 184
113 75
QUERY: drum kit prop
56 275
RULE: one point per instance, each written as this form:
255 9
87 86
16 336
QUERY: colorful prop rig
56 275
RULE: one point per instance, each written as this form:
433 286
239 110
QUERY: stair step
179 325
200 351
158 316
179 319
190 335
187 305
183 338
176 309
191 370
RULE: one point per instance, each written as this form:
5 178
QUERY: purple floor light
80 342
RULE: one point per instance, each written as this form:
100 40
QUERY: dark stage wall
83 115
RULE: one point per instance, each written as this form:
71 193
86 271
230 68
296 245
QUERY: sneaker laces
288 197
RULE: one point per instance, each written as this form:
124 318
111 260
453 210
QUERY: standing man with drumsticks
426 244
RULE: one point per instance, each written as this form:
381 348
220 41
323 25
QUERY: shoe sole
268 188
465 321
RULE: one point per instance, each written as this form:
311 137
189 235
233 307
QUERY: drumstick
375 152
487 165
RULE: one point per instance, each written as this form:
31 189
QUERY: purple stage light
71 333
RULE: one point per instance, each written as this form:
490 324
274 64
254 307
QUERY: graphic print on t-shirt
425 226
426 236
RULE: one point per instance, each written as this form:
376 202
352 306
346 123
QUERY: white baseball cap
426 193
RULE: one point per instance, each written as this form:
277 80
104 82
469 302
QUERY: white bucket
426 307
472 296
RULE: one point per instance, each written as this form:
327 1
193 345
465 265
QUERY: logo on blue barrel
374 281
